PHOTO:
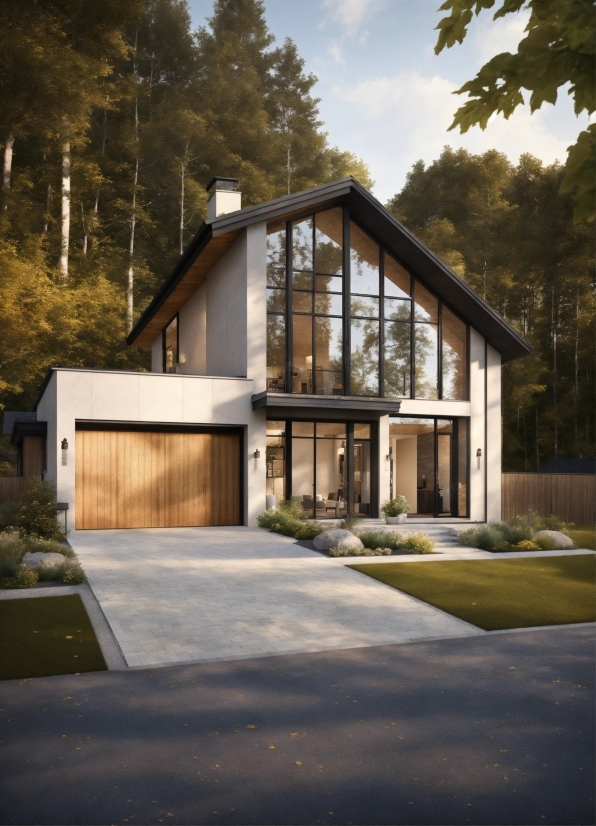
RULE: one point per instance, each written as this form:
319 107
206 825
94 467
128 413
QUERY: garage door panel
151 479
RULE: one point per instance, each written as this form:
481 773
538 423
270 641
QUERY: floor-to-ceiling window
429 464
398 339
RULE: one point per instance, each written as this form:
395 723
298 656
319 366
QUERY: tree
559 49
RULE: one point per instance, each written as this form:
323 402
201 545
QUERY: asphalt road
483 730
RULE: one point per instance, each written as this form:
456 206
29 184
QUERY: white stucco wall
94 395
157 354
477 427
495 435
192 334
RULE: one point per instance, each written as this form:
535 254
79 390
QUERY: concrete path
206 594
496 729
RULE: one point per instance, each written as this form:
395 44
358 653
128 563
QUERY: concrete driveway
176 595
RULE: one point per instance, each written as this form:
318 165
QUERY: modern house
307 347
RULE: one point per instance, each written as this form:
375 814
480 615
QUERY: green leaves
580 175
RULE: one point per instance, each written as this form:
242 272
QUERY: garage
158 477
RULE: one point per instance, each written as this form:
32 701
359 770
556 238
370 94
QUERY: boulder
560 541
41 560
335 538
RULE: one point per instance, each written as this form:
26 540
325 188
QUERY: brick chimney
223 197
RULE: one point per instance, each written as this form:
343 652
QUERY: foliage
14 575
533 521
25 577
558 49
8 515
515 535
70 573
509 234
348 523
393 507
528 545
288 519
37 511
342 550
417 543
374 539
11 553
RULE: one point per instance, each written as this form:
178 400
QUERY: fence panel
571 496
11 487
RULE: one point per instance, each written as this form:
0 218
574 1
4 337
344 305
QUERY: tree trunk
289 170
182 185
46 226
84 230
131 249
105 127
7 169
553 321
65 228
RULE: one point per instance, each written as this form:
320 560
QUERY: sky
387 97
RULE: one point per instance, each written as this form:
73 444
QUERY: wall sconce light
64 451
479 453
62 507
257 454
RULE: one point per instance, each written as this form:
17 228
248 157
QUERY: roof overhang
214 238
22 429
290 405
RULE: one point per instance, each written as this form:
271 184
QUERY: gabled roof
214 238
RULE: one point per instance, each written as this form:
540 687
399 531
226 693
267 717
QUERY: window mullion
412 341
382 322
347 357
289 313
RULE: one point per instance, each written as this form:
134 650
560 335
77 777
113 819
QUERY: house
582 466
307 347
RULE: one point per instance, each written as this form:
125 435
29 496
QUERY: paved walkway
207 594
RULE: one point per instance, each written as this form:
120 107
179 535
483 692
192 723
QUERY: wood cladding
11 487
32 455
157 480
571 496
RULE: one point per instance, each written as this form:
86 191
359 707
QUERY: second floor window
354 321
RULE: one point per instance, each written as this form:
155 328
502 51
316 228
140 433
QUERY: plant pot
396 520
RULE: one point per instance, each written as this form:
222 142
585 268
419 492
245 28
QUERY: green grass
501 593
40 637
584 536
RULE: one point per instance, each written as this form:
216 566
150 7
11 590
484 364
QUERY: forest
114 116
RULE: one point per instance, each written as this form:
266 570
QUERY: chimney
223 197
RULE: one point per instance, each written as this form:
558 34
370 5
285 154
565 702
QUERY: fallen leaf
250 726
271 747
298 762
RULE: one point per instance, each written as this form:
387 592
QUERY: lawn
584 536
40 637
501 593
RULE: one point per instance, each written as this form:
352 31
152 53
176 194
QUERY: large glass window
276 459
402 342
170 346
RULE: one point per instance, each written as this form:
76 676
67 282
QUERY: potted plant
396 510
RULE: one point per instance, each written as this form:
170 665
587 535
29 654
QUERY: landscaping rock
41 560
560 541
337 537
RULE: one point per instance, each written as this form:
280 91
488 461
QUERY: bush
47 546
343 551
379 538
69 572
288 519
349 523
8 515
393 507
14 575
486 538
527 545
418 543
25 578
545 543
37 512
515 535
535 522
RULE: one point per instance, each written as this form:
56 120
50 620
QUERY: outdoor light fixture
64 450
257 454
479 452
62 507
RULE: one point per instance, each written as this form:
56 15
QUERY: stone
560 541
335 538
41 560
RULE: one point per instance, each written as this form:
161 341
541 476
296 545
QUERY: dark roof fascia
21 429
49 372
190 254
300 402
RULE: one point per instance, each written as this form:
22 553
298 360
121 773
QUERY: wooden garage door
157 480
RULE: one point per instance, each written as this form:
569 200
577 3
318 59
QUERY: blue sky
388 98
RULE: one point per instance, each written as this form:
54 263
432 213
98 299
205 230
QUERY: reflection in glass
331 430
361 431
275 459
366 307
302 302
329 283
303 428
302 238
303 472
454 356
329 342
302 281
276 258
444 431
397 310
397 280
276 301
361 504
328 304
364 372
426 306
397 359
364 262
302 356
329 240
426 361
276 353
170 345
462 467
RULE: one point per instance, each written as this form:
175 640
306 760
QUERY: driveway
204 594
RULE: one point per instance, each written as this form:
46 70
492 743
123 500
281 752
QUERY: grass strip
584 536
501 593
41 637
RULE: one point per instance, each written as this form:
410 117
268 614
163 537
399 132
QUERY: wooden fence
571 496
11 487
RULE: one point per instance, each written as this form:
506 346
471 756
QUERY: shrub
289 520
513 534
70 572
24 578
37 512
379 538
545 543
344 551
486 538
418 543
527 545
349 523
47 546
393 507
535 522
8 515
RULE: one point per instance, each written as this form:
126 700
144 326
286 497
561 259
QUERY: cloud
491 37
335 52
351 14
395 121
